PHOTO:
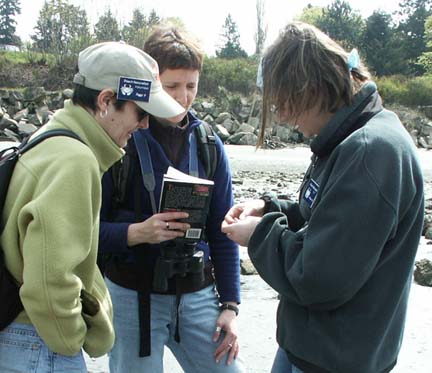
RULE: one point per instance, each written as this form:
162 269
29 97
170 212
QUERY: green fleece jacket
51 230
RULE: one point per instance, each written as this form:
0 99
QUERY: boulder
423 272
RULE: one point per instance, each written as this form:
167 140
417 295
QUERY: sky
203 18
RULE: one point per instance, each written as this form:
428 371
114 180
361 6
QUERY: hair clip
353 61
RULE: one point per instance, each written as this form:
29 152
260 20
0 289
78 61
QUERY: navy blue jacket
223 253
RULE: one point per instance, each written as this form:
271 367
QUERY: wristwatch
231 307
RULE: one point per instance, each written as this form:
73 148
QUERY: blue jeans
281 363
23 351
198 312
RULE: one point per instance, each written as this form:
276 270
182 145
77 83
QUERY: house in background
9 48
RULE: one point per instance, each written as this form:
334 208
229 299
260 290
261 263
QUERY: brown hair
173 48
304 67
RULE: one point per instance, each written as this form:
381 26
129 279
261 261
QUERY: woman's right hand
158 228
241 211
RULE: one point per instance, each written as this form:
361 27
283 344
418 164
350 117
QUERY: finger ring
230 345
167 225
218 329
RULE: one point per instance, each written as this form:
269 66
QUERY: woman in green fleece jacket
51 215
341 257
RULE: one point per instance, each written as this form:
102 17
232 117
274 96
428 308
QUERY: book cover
182 192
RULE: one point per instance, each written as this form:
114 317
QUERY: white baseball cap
129 72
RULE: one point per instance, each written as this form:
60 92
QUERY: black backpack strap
206 144
47 134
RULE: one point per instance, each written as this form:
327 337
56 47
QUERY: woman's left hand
241 230
226 322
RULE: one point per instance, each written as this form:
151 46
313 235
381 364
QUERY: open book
182 192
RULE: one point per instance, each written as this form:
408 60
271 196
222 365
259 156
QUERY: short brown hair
304 67
173 48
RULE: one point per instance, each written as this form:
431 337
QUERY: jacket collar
348 119
78 120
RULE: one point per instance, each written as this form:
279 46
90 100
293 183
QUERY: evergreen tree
342 23
381 45
137 30
413 15
425 60
231 41
8 10
107 28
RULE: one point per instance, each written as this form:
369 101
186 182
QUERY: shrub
235 75
411 92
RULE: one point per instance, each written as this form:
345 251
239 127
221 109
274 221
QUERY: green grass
26 57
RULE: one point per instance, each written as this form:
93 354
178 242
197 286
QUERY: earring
103 114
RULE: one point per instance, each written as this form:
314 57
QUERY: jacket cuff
271 203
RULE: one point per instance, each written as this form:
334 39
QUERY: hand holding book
182 192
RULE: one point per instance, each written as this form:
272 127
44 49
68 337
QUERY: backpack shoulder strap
27 145
206 144
10 156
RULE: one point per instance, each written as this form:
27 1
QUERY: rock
248 139
222 132
230 125
255 122
209 119
20 115
67 93
423 272
423 143
247 268
244 127
7 122
35 94
428 233
242 138
26 128
222 117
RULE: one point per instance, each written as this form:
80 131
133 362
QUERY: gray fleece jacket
342 256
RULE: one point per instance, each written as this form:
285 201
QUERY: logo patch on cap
133 89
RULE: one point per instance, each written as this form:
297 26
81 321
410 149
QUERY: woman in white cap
51 214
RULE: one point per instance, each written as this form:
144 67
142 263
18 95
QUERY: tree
381 45
261 33
413 15
425 60
137 30
8 10
61 29
231 41
311 14
107 28
342 23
